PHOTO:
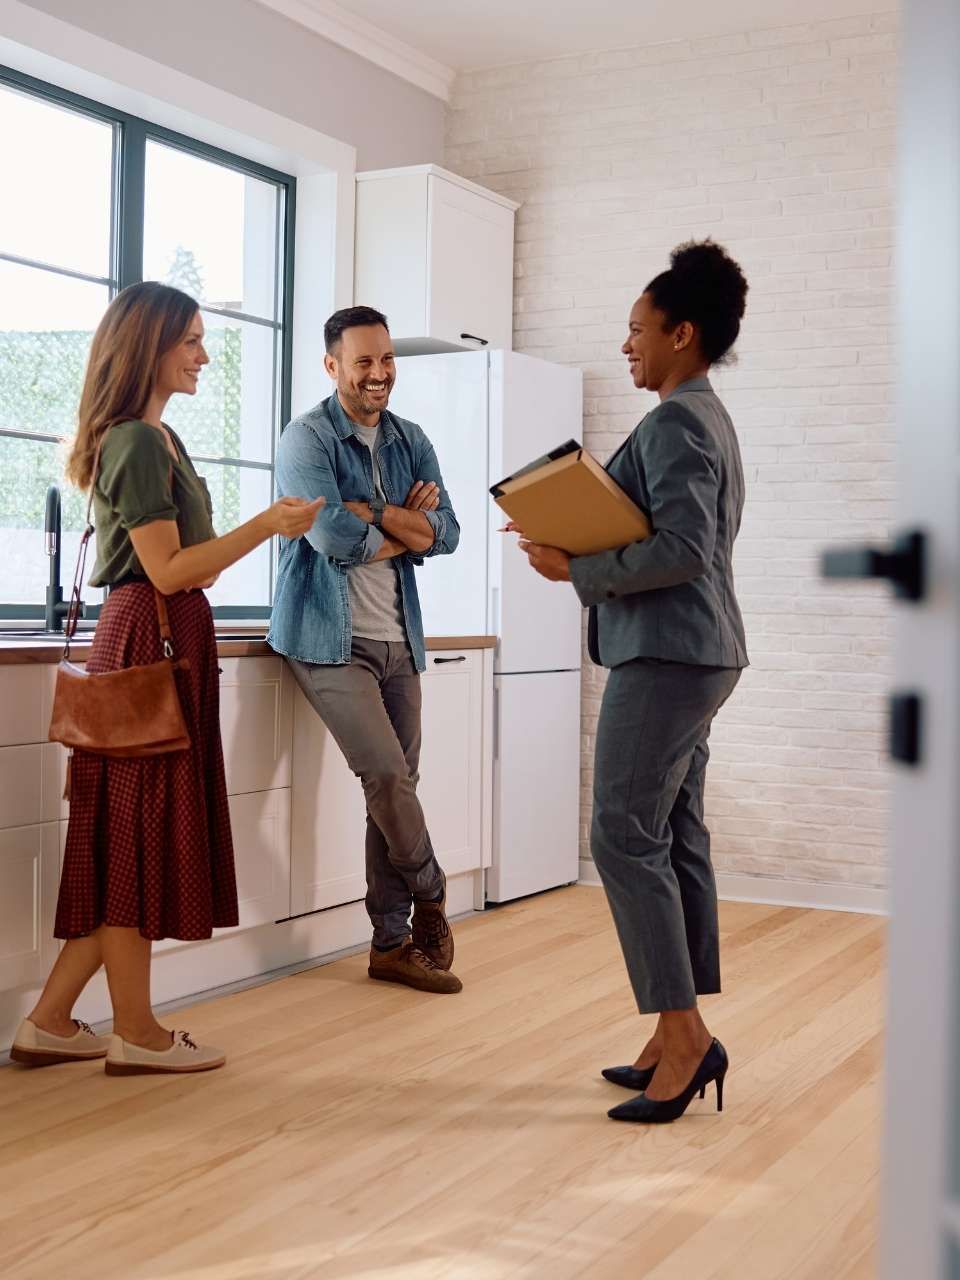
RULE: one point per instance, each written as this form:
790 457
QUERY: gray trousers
649 841
372 709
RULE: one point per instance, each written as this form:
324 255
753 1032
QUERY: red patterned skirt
149 844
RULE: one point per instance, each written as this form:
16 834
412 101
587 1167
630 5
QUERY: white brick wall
779 144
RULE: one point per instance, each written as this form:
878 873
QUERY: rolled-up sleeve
443 521
305 470
136 475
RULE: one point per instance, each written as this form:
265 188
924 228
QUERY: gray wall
248 50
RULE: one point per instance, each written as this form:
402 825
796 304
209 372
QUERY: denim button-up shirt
320 455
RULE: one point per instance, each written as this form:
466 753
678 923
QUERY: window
98 200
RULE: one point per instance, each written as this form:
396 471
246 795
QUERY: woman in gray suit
664 618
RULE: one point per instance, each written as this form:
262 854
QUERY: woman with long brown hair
149 853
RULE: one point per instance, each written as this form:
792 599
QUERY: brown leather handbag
134 711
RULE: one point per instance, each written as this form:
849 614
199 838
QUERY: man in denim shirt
347 618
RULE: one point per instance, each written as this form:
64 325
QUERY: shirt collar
692 384
345 425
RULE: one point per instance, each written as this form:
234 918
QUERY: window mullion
133 152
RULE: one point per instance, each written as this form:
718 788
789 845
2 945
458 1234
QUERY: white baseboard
783 893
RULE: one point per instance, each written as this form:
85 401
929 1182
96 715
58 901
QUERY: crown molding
334 23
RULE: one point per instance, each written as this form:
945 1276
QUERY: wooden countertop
31 649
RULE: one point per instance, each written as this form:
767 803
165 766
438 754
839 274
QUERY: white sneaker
33 1047
125 1059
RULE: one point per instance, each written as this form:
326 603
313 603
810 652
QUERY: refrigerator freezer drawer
536 833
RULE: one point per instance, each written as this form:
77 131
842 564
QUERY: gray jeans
372 709
649 841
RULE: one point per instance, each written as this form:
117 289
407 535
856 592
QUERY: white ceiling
428 41
467 34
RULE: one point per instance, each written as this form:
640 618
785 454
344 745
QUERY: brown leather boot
410 966
431 930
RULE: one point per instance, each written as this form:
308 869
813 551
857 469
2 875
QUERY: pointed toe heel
644 1110
629 1077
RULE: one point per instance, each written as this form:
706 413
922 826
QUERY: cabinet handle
472 337
462 658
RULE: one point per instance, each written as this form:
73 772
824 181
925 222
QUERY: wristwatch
377 506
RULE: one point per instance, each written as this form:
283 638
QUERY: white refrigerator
487 414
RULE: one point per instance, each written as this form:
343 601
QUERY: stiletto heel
644 1110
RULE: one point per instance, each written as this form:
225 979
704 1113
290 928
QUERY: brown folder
567 500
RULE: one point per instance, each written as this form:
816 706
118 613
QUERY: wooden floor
363 1130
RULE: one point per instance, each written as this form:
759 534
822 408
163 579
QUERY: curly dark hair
706 287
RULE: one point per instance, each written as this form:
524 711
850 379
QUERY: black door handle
905 711
903 564
473 338
462 658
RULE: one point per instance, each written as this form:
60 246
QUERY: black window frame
130 137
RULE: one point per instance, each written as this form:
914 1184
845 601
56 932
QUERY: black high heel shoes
629 1077
644 1110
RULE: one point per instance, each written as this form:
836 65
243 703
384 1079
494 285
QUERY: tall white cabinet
435 253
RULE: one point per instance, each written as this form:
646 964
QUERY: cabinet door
451 759
255 723
329 819
21 791
25 703
470 282
329 814
260 822
29 865
261 846
391 250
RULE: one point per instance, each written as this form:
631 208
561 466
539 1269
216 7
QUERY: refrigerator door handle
496 723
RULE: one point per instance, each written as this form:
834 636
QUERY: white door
921 1203
447 396
536 806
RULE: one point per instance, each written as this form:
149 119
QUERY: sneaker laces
421 958
187 1043
85 1027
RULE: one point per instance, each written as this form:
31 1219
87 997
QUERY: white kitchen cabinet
435 253
256 718
261 846
329 815
328 819
21 790
25 700
451 759
29 876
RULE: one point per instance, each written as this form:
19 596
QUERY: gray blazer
671 596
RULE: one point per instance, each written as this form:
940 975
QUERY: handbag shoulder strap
73 612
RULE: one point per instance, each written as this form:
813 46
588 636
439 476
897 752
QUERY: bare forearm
391 547
412 528
403 524
196 565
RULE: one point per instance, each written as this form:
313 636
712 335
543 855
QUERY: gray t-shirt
375 605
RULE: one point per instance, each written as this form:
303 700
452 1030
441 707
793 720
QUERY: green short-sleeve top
139 482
